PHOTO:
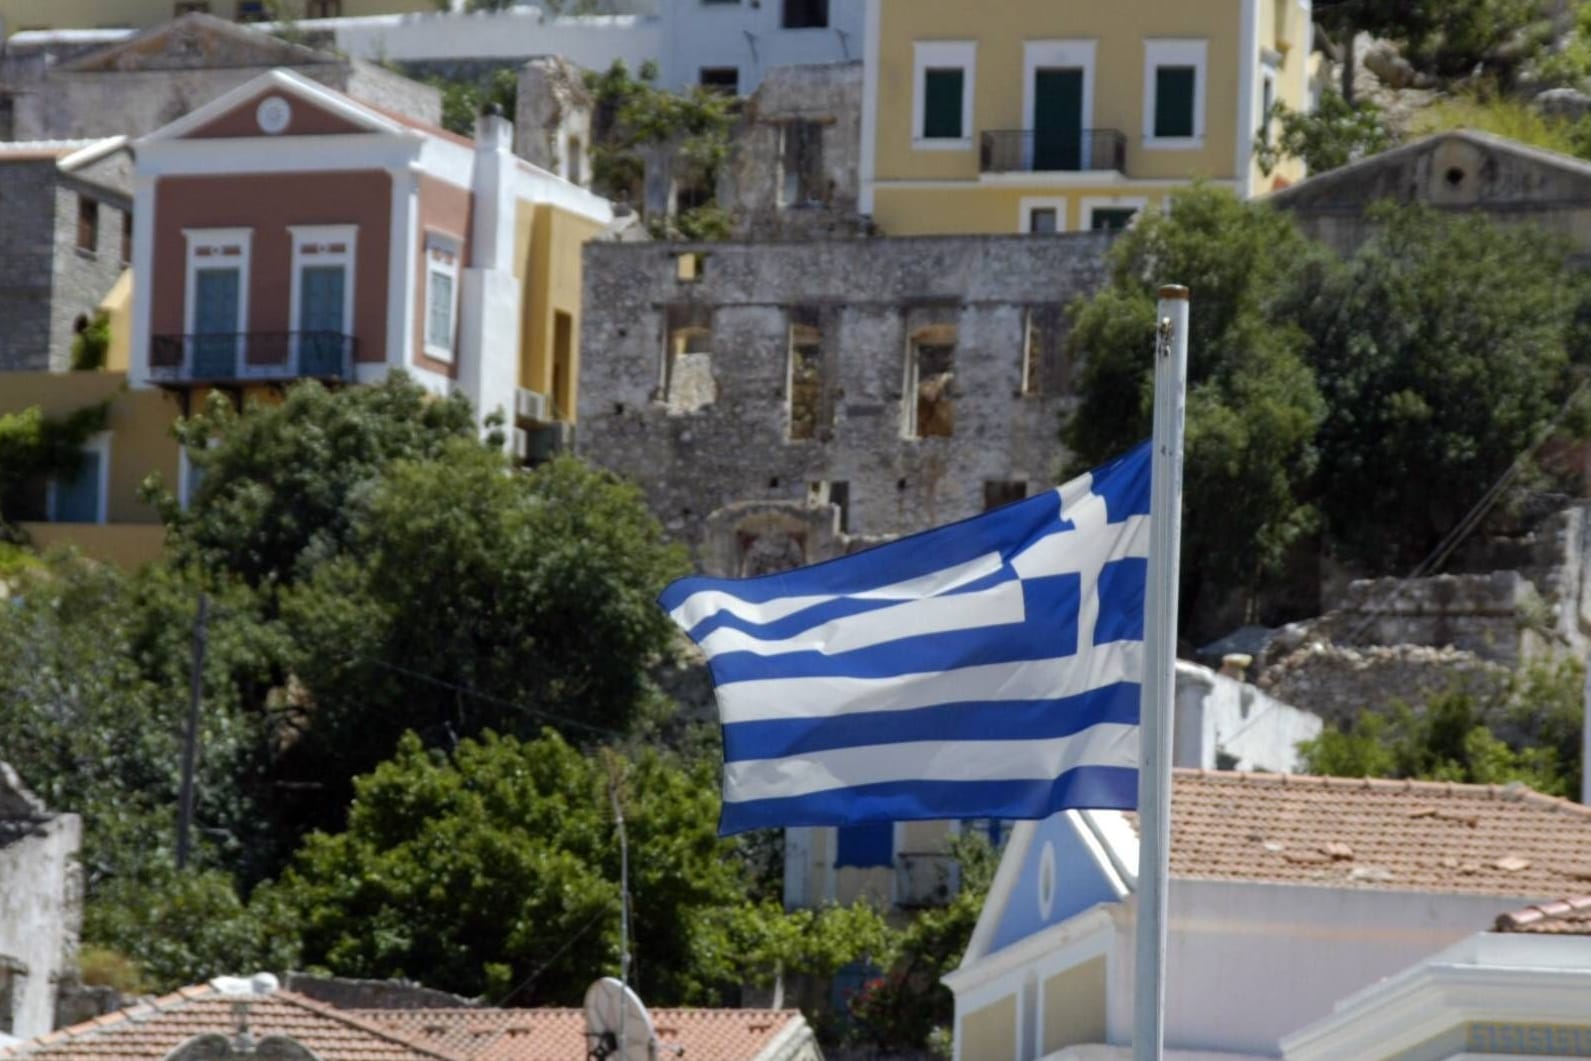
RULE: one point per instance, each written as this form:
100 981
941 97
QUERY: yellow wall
989 1034
547 245
1074 1006
117 305
962 200
140 443
139 14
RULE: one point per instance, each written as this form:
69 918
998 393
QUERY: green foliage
1570 64
177 928
1441 353
1445 38
90 345
1501 116
1334 134
34 446
757 944
1455 736
283 486
1252 402
463 100
495 872
903 1009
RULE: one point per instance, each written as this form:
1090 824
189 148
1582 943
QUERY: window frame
1178 52
87 215
99 444
943 55
322 235
1058 55
1030 203
784 16
213 240
732 90
1091 203
441 257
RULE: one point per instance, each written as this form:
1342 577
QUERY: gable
304 118
196 42
1060 876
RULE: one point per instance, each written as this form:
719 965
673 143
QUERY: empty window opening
725 79
801 164
690 266
687 377
1454 176
1111 218
323 8
127 237
806 14
190 7
1043 219
8 118
930 373
809 416
997 492
563 374
87 224
837 494
575 161
1044 364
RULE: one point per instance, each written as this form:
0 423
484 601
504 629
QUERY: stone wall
27 255
859 305
82 278
1337 682
41 907
794 169
552 118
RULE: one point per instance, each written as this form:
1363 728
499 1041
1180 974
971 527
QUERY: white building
1288 893
734 43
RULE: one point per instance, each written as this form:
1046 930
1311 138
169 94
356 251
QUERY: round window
1046 880
273 114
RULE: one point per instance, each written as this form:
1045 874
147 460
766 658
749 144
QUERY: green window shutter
1174 94
942 89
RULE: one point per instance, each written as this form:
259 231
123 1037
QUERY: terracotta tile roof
37 150
415 123
1355 832
150 1030
559 1034
1566 917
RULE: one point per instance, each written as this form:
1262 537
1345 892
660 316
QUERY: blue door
215 324
320 320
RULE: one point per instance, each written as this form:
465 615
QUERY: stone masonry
41 907
905 382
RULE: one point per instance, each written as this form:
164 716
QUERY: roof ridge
1513 791
348 1017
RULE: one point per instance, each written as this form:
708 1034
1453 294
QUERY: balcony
1032 151
250 357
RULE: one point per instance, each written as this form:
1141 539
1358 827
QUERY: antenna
618 1027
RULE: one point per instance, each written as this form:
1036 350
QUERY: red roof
1566 917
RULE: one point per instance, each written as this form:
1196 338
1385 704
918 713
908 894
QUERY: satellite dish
618 1027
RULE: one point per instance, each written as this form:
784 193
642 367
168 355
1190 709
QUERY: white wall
748 35
593 42
40 912
1219 714
1248 963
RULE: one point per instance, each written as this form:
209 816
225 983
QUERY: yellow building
1033 116
19 15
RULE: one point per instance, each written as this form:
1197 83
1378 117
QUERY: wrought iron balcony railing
1038 151
243 357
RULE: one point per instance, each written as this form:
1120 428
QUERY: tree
1252 402
495 872
464 100
471 597
1334 134
33 447
1441 351
1441 38
281 487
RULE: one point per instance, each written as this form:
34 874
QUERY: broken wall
742 303
552 118
41 908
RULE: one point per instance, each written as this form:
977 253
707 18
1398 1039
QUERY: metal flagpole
1160 667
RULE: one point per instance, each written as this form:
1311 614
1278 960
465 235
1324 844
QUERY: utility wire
561 720
543 967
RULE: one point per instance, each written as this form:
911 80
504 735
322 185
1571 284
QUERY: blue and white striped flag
986 669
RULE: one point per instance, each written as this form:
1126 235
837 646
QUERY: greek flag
986 669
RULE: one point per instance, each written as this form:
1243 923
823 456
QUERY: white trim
98 444
92 153
1097 178
1160 52
1247 101
288 82
1030 203
348 236
215 239
869 163
999 894
143 266
404 254
446 250
1057 948
185 477
942 55
1037 55
281 154
1090 203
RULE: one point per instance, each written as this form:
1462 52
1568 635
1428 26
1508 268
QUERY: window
1267 101
801 164
252 11
1108 214
127 237
8 118
725 79
809 413
930 366
80 497
563 328
322 300
87 225
840 498
997 492
217 306
323 8
865 846
1041 220
806 14
690 266
574 161
190 7
441 296
942 102
686 383
1174 83
1041 213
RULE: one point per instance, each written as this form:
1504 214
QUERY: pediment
277 103
197 42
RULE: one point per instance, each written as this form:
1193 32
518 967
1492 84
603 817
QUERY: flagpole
1160 665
